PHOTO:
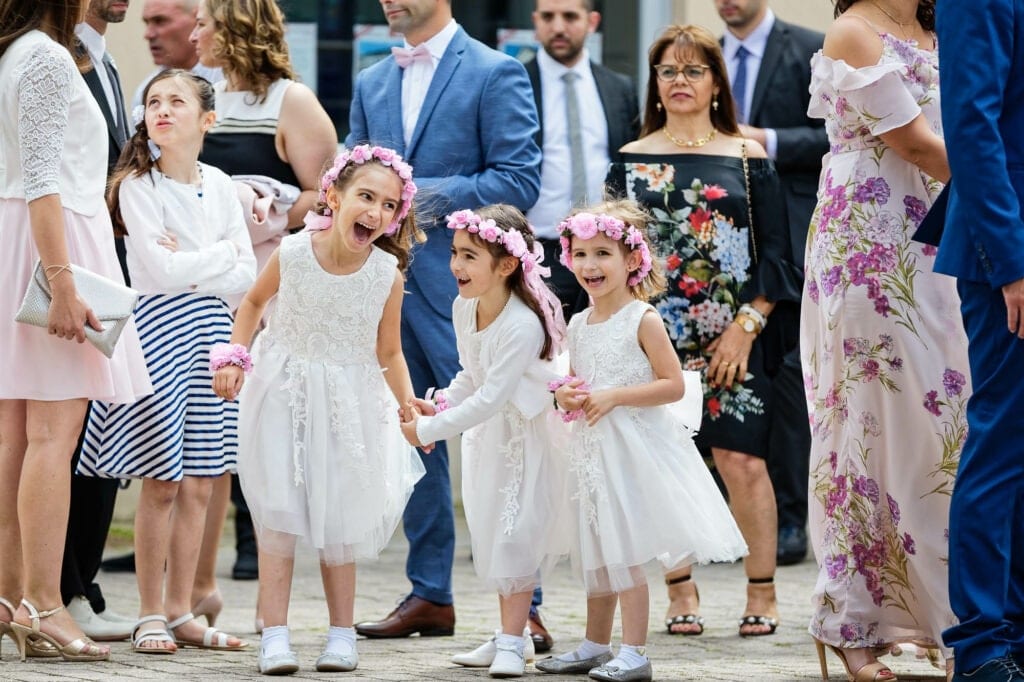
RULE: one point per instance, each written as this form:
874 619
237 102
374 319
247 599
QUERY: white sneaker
508 661
483 655
95 627
112 616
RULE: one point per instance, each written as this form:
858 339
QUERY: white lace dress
513 471
639 487
322 458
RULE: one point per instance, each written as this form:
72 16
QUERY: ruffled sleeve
44 99
775 276
874 97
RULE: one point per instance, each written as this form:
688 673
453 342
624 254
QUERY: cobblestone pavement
719 654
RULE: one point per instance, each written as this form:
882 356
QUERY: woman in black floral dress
707 186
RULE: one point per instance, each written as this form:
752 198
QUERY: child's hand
168 241
409 431
570 397
424 406
599 404
227 381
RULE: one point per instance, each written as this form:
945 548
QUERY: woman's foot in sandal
151 636
34 646
683 616
762 614
860 664
57 628
187 632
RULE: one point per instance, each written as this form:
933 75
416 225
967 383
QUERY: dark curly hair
925 11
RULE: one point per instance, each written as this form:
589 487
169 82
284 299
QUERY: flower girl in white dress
508 326
321 455
640 488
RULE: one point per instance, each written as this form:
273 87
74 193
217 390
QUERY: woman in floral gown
706 186
883 350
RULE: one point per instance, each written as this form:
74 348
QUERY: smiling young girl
322 456
641 489
187 248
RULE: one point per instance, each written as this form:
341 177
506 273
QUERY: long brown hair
136 157
925 11
249 42
57 18
704 46
509 217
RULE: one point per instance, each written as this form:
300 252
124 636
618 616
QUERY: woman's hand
68 313
227 381
569 396
424 406
729 355
599 404
169 242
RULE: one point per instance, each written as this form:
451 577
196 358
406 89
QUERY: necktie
404 56
572 115
117 106
739 84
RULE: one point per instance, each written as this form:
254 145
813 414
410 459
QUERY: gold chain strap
750 209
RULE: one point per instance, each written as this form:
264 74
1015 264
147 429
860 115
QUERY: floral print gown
714 263
885 363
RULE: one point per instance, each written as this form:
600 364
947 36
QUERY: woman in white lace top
52 179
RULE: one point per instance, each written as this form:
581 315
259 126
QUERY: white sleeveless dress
639 488
322 458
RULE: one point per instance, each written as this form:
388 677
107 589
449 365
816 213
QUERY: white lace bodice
41 91
608 354
324 317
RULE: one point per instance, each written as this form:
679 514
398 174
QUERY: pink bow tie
405 56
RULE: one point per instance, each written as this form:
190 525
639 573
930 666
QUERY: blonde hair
633 214
249 42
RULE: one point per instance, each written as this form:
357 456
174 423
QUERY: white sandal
152 635
212 638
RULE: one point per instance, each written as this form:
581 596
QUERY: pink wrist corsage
224 354
440 401
567 415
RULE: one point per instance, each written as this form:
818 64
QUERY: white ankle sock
510 640
629 657
586 649
275 640
341 641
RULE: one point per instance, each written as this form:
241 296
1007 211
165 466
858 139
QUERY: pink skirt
37 366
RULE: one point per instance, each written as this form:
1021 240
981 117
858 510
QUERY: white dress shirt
555 199
96 46
417 76
756 43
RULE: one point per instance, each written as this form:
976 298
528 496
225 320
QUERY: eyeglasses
693 73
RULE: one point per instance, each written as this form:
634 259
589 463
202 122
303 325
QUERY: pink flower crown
359 155
511 240
587 225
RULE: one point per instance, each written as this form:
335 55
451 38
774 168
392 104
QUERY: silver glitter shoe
613 673
337 663
579 665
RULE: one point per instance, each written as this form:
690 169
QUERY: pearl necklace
699 142
903 25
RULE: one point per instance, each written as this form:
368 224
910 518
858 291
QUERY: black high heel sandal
686 618
759 621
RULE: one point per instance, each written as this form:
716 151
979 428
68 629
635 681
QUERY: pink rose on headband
489 231
384 155
585 226
360 154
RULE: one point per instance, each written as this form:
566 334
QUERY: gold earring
657 106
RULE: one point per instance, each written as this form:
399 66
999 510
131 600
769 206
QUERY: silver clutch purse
112 302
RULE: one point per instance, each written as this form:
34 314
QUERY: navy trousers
986 525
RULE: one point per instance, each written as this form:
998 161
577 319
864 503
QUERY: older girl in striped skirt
187 248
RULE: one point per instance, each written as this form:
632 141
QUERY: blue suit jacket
981 52
473 145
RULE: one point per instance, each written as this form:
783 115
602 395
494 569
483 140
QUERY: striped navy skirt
183 428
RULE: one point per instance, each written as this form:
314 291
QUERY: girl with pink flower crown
321 456
640 489
508 326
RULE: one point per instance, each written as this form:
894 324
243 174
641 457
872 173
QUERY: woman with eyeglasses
883 348
720 231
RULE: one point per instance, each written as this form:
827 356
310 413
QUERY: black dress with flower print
714 263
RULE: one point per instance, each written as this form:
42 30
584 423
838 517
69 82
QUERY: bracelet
755 314
225 354
59 269
567 415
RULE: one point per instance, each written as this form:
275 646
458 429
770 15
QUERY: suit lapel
393 98
533 72
445 70
92 79
769 62
604 91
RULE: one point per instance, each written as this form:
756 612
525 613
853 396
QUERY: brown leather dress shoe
542 641
413 615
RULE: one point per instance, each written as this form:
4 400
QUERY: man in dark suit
461 113
92 499
982 67
582 126
769 66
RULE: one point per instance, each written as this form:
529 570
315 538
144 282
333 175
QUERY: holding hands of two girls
410 414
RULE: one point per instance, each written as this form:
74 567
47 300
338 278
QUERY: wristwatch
747 324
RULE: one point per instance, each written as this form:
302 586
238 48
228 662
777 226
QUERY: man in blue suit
982 67
463 115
